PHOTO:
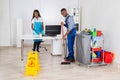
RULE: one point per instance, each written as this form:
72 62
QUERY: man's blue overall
71 39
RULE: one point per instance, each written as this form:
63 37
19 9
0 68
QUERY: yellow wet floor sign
33 64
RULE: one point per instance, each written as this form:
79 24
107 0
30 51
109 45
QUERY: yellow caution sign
33 64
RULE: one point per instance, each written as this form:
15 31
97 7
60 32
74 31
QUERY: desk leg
22 47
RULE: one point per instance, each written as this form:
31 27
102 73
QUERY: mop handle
64 42
62 32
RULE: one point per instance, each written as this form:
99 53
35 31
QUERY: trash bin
83 46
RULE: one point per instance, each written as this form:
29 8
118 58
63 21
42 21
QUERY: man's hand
63 37
68 31
62 23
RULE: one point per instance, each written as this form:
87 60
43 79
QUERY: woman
37 27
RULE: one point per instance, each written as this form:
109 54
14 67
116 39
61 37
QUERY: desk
31 37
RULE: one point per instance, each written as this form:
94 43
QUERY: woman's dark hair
37 12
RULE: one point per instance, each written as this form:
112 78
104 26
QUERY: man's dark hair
63 9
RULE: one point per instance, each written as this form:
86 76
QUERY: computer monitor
77 26
52 30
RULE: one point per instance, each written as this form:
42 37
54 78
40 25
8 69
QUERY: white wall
49 9
4 23
104 15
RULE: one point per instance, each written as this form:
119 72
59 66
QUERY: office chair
43 46
43 34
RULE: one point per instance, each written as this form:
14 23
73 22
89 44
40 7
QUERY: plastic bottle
94 32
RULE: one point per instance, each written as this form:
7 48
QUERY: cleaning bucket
99 33
108 57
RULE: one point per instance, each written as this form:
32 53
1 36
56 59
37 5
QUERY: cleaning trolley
90 48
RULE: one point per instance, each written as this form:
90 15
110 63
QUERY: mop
65 49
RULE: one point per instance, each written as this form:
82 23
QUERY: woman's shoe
38 51
33 49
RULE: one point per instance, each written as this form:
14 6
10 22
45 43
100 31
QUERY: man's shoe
67 58
72 60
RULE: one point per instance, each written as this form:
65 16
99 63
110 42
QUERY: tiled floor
12 68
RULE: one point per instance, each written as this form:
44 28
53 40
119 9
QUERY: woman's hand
32 27
43 26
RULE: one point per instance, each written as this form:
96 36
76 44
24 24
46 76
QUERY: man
71 33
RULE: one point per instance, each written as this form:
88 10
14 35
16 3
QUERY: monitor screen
52 30
77 26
